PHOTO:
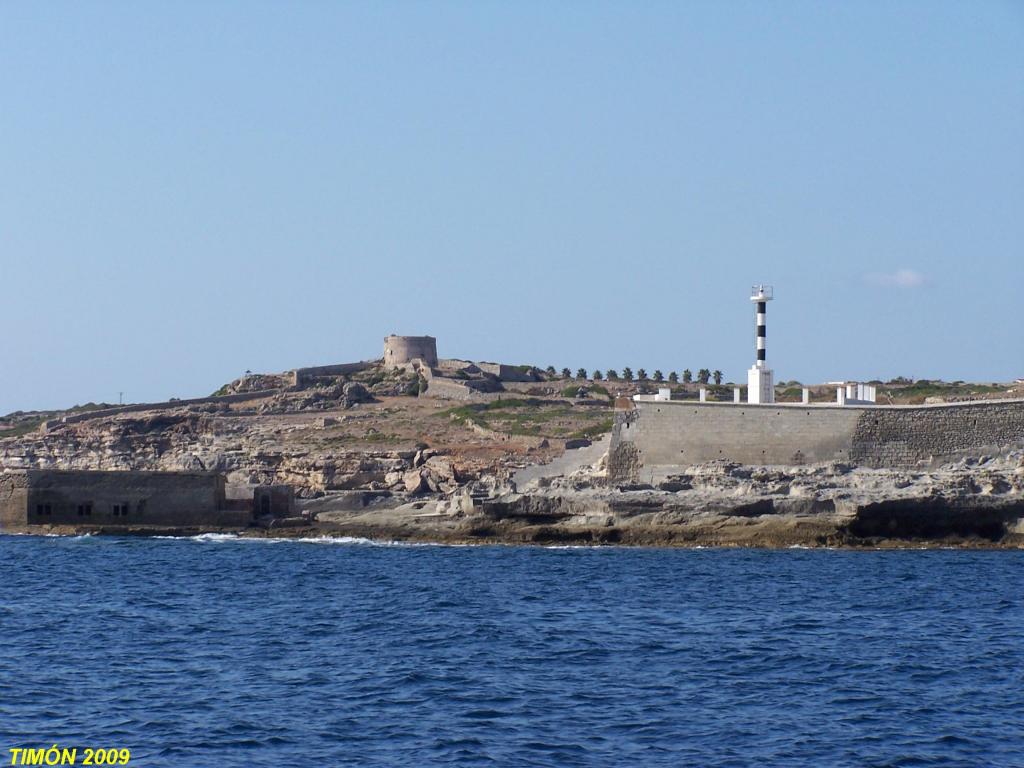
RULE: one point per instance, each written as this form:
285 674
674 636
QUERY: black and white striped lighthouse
760 381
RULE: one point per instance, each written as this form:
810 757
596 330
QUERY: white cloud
901 278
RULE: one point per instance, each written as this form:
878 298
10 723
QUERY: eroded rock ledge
974 503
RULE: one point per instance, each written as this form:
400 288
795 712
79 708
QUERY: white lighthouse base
760 385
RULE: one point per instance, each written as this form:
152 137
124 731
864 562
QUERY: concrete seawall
657 438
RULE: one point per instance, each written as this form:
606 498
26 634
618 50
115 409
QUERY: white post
841 395
703 395
807 395
736 394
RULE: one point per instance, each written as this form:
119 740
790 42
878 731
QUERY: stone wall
13 499
452 389
657 438
301 376
905 436
506 372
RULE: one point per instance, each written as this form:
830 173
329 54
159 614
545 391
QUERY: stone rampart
452 389
506 372
657 438
99 413
301 376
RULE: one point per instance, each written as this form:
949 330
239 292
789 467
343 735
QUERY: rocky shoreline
388 467
972 504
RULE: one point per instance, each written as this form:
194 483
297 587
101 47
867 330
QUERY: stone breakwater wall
657 438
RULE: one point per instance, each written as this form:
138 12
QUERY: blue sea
223 652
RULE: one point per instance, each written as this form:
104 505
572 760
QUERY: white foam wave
215 537
358 541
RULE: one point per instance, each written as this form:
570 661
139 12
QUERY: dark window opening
81 510
265 505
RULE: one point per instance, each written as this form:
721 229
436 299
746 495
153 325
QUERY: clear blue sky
188 190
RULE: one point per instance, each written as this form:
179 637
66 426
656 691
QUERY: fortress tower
760 380
399 351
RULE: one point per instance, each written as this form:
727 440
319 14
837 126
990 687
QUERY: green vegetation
719 392
22 428
595 430
373 436
532 416
790 395
917 392
25 422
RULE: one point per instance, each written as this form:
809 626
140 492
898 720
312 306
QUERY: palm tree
641 375
612 374
581 373
673 378
718 377
566 373
703 375
658 376
550 370
597 375
687 376
627 373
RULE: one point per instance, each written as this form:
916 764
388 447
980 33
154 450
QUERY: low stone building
273 501
121 498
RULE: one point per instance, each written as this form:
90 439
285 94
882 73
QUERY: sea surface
223 652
